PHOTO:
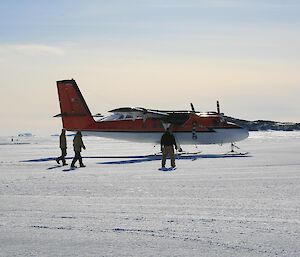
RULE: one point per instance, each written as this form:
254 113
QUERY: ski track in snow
210 205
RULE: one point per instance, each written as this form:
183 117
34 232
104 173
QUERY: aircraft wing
157 114
123 110
139 111
165 116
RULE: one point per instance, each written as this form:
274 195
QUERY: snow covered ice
211 205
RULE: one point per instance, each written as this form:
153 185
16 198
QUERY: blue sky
157 54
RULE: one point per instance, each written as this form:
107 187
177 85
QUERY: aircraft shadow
143 158
185 157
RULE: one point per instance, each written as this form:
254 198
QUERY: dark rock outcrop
258 125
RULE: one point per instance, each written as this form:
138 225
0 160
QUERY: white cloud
33 49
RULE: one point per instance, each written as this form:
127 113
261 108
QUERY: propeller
192 106
218 107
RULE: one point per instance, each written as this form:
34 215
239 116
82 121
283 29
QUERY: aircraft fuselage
145 125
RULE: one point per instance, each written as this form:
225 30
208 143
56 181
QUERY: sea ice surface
211 205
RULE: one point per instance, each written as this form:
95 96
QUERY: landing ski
167 169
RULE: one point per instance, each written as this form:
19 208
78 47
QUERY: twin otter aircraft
145 125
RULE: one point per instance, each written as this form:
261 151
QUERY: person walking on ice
63 147
78 145
166 143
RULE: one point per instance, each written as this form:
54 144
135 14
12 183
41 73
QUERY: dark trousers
168 150
63 155
76 158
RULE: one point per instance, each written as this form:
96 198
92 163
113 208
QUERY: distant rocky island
262 125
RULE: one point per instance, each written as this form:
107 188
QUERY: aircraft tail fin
74 110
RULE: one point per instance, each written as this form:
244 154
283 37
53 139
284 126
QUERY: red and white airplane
145 125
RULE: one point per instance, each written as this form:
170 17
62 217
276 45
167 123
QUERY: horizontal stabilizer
71 115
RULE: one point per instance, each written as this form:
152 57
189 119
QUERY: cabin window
129 117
